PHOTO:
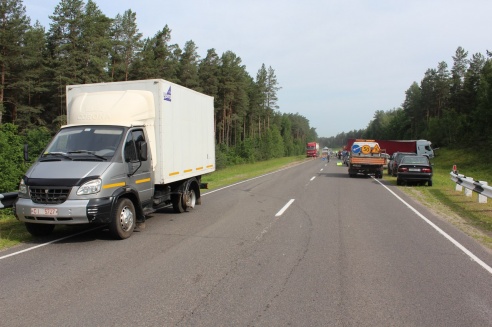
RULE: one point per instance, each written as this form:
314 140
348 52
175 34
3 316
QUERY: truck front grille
49 195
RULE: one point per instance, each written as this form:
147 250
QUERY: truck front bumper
71 212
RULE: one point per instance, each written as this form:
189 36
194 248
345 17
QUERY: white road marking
440 231
277 217
286 206
312 179
47 243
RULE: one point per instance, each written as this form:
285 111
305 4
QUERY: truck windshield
99 142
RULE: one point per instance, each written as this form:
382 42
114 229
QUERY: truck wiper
88 152
60 154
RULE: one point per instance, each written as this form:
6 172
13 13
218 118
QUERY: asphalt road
304 246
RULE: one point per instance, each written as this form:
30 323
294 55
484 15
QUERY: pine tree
271 94
33 82
13 26
127 44
96 44
188 67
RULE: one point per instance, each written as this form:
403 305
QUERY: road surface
304 246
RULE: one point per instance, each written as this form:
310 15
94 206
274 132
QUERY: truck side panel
186 143
178 121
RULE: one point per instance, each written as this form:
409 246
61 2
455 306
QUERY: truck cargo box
178 121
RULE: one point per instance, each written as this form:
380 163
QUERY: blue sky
337 61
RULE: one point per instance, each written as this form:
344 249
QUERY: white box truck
128 149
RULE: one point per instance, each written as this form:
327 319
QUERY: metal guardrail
7 199
482 188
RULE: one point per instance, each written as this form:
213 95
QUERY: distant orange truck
366 158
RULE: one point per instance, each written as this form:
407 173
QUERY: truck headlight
90 187
22 187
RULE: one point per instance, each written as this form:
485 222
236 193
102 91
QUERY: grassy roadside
238 173
465 213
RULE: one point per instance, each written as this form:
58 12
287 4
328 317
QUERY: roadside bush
12 163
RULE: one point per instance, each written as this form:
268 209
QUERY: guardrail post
458 187
482 198
468 192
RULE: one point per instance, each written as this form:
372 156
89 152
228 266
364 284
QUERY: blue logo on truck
167 96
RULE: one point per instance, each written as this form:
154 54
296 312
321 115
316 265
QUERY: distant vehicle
312 149
325 153
395 161
414 169
365 158
420 147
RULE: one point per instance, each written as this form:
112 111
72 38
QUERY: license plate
44 212
414 169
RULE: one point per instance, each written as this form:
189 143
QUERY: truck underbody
366 166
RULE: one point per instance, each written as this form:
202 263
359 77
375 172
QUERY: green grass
238 173
465 213
12 232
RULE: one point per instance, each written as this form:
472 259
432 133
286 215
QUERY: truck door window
132 144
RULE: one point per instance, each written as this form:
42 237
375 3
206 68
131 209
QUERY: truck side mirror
142 150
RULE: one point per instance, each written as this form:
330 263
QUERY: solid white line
443 233
47 243
286 206
247 180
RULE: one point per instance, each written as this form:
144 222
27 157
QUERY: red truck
420 147
312 149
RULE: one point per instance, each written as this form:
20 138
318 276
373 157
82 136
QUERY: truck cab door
139 165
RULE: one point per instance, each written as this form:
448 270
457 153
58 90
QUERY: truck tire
189 199
177 200
123 220
39 229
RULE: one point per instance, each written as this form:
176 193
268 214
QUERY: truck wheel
39 229
123 220
189 199
177 200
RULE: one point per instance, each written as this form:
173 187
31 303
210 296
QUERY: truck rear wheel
123 220
177 200
39 229
189 199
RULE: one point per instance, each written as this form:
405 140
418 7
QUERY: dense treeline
450 107
82 45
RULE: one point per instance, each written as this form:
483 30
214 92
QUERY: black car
395 161
414 169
